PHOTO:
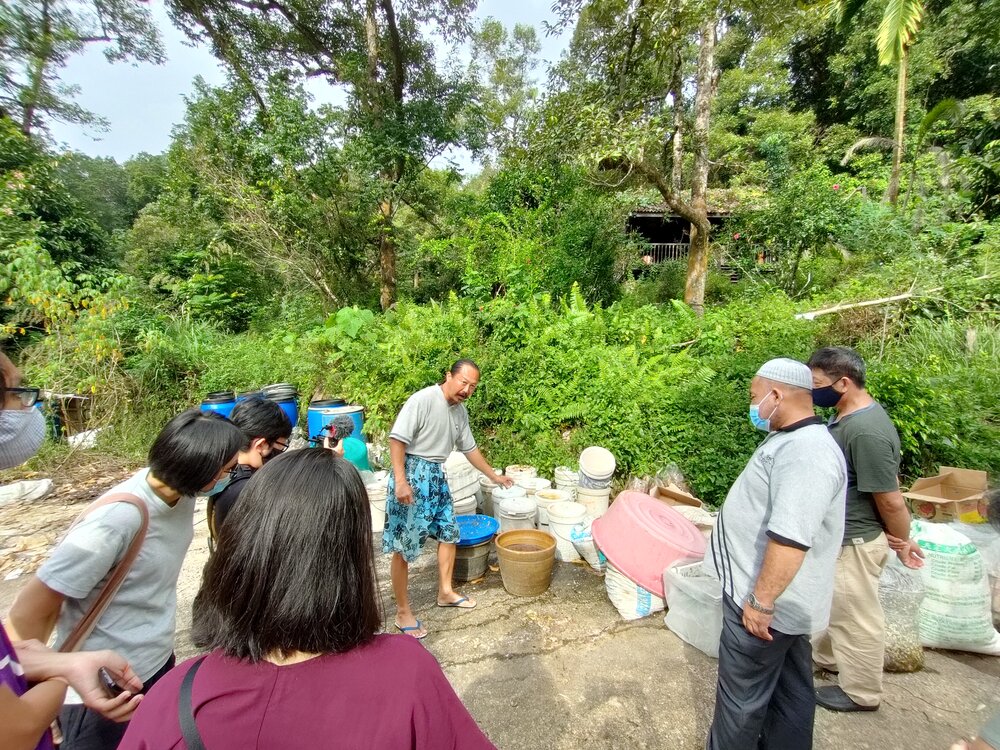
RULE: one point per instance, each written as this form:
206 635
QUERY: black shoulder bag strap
192 737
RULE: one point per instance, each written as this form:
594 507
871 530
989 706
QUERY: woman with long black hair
289 608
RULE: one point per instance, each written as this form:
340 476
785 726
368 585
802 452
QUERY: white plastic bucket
597 466
595 501
517 471
376 498
499 494
546 498
562 518
565 474
533 484
517 513
465 506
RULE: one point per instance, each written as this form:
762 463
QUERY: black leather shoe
832 698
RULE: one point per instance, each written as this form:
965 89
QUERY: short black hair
840 362
259 418
457 367
295 566
192 448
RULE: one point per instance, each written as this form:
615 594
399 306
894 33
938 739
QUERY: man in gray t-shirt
773 549
432 423
876 519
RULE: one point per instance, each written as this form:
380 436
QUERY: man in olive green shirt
876 522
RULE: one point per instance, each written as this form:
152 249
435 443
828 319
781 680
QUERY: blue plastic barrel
221 402
243 396
321 413
290 406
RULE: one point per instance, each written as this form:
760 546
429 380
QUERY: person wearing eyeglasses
266 430
33 677
22 427
191 453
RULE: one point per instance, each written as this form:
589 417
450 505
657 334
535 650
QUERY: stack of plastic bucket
323 411
220 402
286 396
567 480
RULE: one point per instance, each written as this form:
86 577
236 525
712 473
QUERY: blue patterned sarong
429 515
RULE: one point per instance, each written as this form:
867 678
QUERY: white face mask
21 434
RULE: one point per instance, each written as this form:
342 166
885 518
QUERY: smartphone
111 688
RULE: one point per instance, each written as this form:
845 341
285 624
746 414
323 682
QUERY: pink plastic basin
642 537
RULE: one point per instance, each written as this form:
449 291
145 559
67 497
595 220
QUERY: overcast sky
144 102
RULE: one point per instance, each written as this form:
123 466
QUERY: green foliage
37 38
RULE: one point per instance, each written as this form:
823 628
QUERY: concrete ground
563 671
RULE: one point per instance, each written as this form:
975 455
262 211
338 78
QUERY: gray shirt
792 490
431 427
139 621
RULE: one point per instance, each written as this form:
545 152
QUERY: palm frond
946 109
898 29
866 144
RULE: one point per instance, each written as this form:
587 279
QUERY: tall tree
623 86
403 110
37 38
896 33
504 62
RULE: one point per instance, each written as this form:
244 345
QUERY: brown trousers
854 642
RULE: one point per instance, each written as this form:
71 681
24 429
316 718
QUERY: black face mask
826 396
269 456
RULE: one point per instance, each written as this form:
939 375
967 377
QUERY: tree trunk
387 257
677 139
694 288
892 193
37 74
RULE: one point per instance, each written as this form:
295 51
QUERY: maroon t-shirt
390 693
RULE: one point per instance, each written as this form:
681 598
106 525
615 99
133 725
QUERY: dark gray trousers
764 699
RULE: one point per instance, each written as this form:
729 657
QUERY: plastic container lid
597 462
321 403
517 506
219 397
507 493
533 484
476 529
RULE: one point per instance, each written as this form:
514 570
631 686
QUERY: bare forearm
24 719
781 563
34 612
397 454
895 515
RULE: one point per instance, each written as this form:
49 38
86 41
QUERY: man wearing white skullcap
774 549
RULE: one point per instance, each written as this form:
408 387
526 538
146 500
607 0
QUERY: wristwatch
754 604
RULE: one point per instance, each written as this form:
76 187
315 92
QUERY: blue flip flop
458 603
409 630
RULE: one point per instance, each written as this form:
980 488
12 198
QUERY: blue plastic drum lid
476 529
319 415
220 402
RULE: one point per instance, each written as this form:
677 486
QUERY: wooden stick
873 302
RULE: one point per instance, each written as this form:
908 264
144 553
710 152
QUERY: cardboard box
671 494
953 495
